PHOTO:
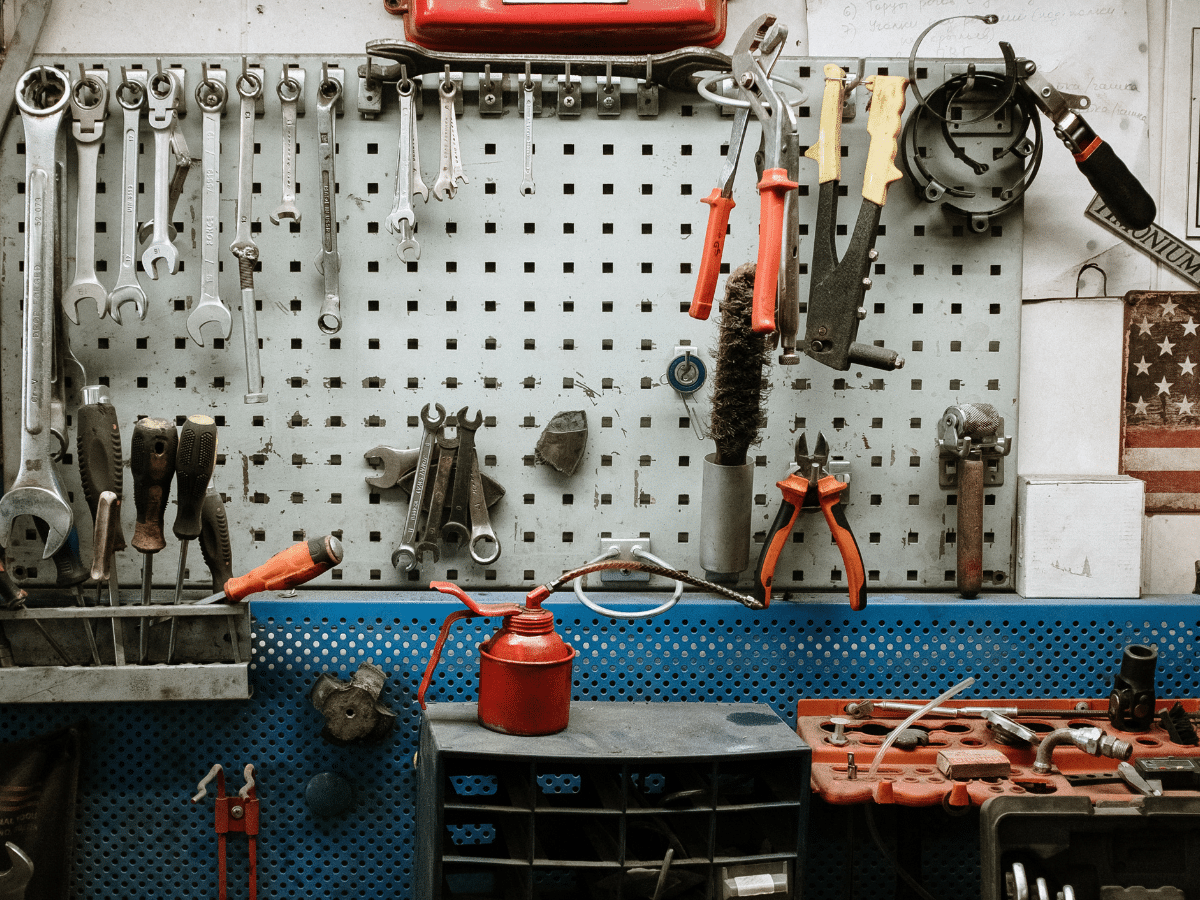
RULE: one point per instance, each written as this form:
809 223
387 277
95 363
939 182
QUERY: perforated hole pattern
137 833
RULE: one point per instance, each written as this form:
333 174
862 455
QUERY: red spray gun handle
714 248
473 609
772 192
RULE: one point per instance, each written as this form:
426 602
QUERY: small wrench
14 880
403 218
162 90
481 524
289 95
42 96
451 171
210 97
130 95
249 88
407 554
447 451
89 107
527 185
456 524
328 260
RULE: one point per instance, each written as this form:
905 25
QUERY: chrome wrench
481 524
162 91
403 218
407 554
249 88
447 452
289 95
527 185
328 260
451 170
211 310
42 97
130 95
456 524
89 107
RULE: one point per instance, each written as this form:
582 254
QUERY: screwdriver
104 537
152 452
218 554
288 568
194 462
70 572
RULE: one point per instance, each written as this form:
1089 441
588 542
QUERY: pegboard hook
638 552
1103 276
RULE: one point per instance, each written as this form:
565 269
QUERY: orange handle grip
288 568
794 488
772 191
714 247
829 490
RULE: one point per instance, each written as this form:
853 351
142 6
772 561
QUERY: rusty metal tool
972 442
237 814
152 453
408 554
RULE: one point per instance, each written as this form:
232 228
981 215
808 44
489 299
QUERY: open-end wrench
450 171
42 97
131 96
527 185
403 218
210 97
395 462
481 524
447 452
89 107
328 260
162 91
289 96
14 880
249 88
407 555
183 163
460 498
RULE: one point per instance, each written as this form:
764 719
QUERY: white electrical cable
619 614
891 738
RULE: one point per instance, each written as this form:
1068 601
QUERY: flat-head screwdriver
194 462
152 453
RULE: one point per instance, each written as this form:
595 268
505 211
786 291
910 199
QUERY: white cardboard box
1079 536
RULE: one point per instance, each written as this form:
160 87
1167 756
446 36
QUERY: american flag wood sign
1160 419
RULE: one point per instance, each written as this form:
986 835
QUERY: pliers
808 487
837 288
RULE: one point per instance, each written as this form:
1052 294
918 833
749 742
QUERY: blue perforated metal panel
137 833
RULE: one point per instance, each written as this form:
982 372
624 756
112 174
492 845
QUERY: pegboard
523 306
136 829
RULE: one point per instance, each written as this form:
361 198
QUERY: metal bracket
608 94
570 94
370 90
491 94
338 74
647 95
624 548
966 107
993 468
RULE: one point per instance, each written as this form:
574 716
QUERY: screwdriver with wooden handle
298 564
152 452
194 462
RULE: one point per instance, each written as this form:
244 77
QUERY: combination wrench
162 91
289 96
451 170
403 218
211 96
527 185
249 88
131 96
328 260
89 108
460 498
481 524
407 554
447 451
42 96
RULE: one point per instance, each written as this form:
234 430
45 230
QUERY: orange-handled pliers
800 492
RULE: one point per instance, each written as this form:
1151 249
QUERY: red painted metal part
496 26
237 814
911 777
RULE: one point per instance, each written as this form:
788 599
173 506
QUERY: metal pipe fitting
1090 740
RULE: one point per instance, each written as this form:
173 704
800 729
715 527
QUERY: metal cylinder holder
728 494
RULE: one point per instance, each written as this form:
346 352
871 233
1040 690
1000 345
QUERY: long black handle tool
152 453
194 462
218 555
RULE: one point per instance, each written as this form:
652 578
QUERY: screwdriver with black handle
152 453
218 555
194 461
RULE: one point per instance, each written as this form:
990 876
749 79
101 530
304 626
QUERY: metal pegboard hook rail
610 553
705 89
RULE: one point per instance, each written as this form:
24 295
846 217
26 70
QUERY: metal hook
202 787
528 76
608 76
82 73
245 67
324 72
158 65
248 775
124 76
649 69
446 74
567 76
403 72
852 83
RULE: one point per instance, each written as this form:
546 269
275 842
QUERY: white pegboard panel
522 306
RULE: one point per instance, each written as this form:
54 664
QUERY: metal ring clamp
620 614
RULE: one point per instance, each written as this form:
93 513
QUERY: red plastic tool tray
912 778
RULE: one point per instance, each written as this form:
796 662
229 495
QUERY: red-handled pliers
808 487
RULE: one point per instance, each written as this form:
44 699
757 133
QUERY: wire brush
739 389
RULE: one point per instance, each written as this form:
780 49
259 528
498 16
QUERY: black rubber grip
68 567
1123 194
194 462
325 550
152 453
783 519
99 446
214 540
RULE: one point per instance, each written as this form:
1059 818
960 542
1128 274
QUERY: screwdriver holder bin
608 806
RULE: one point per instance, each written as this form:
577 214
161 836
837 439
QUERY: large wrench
131 96
407 554
210 97
447 452
249 88
163 89
329 262
289 96
456 524
451 170
481 525
403 218
42 96
89 107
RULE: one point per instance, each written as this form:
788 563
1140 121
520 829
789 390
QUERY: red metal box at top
566 26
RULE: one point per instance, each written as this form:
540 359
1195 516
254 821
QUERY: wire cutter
836 289
808 487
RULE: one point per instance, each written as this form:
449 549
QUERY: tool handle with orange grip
289 568
829 491
772 190
793 487
714 248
